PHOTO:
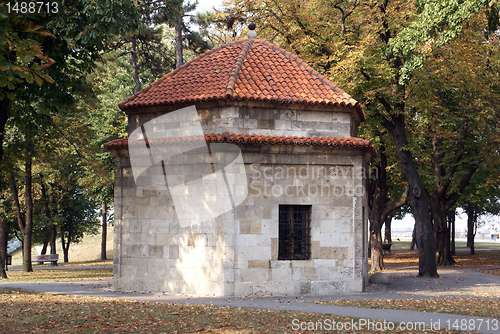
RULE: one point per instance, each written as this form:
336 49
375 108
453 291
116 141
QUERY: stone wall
296 120
236 253
336 191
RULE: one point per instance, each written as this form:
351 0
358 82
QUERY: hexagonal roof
245 70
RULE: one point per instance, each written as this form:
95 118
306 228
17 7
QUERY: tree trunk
378 202
4 115
45 243
419 199
470 227
178 40
413 238
52 232
65 246
135 65
3 248
27 267
443 244
377 252
27 233
104 231
380 212
451 223
53 237
388 231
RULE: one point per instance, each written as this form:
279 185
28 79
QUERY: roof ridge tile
235 71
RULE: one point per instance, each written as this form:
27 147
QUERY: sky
204 5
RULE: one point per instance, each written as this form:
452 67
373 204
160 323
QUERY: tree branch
17 206
454 164
464 182
402 201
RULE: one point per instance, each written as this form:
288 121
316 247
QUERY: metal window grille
294 232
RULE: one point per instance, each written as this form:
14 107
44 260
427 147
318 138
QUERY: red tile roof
245 70
226 137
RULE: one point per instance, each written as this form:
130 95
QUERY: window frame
294 232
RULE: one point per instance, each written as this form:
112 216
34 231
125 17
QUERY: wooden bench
45 258
387 247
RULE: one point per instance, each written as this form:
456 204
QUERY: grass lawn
59 275
465 306
89 249
495 272
31 312
486 258
404 243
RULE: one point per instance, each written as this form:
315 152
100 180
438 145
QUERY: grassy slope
88 250
404 243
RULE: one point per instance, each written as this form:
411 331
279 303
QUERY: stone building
298 221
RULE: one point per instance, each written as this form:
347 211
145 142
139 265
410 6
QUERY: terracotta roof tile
227 137
249 69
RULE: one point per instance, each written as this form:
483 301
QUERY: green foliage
22 58
438 23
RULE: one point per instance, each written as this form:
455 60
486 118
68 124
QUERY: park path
403 285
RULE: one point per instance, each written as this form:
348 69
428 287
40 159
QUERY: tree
380 209
387 191
481 198
74 38
22 59
113 84
455 118
80 218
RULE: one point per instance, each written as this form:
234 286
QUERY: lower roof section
226 137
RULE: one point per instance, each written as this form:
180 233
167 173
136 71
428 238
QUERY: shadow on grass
60 275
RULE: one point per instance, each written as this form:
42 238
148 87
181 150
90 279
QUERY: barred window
294 232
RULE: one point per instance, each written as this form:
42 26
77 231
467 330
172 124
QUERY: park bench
45 258
387 247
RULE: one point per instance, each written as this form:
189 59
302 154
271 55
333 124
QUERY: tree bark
135 65
28 232
45 243
471 220
53 237
23 227
4 115
413 238
442 235
52 231
451 223
178 40
388 229
104 230
3 248
65 246
379 213
378 201
377 252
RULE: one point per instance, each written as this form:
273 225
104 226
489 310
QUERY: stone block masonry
236 254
